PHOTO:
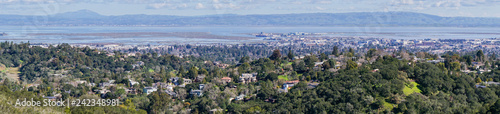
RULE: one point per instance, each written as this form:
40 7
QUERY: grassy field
411 88
289 63
283 77
11 73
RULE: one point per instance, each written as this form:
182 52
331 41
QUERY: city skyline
447 8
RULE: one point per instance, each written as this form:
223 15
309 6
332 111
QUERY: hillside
87 17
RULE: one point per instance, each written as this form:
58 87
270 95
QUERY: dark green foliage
276 55
335 51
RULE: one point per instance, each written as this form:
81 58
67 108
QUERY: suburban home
187 81
247 77
221 65
477 64
132 82
160 85
216 111
226 80
200 78
174 80
171 93
332 57
312 85
240 97
104 91
290 84
201 86
75 83
107 84
198 93
149 90
104 84
131 91
316 64
170 87
32 85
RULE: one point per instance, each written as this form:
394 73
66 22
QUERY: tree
335 50
309 61
159 102
495 108
329 64
244 67
479 55
351 50
455 66
371 53
203 71
129 104
478 80
290 54
181 71
467 59
494 56
351 65
128 67
323 56
276 55
192 73
489 79
245 59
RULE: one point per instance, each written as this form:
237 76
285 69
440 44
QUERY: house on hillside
187 81
174 80
201 86
226 80
312 85
247 77
289 84
131 91
149 90
132 82
198 93
200 78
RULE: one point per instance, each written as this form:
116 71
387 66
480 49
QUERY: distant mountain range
87 17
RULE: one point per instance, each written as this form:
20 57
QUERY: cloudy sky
450 8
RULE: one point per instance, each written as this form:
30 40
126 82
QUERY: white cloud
200 6
157 5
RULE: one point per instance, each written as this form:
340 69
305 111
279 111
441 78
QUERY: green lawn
289 63
409 90
283 77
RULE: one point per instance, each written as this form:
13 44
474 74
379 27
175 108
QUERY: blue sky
450 8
